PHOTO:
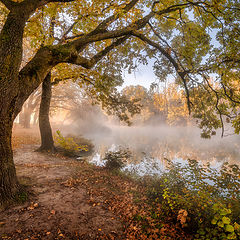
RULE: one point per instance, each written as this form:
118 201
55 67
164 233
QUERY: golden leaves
182 216
126 199
32 206
2 223
53 212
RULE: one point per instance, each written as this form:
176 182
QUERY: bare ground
56 210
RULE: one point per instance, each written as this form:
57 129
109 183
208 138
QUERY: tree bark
10 59
8 180
47 143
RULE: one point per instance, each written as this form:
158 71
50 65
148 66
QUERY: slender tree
29 108
47 143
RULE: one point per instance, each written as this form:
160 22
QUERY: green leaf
231 236
220 224
226 220
225 211
201 232
236 226
229 228
214 221
215 207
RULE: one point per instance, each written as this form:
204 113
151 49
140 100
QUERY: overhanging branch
96 58
181 73
47 57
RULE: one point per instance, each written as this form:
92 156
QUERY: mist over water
152 144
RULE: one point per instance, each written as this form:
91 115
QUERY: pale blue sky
144 76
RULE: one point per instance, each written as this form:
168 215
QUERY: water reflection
151 146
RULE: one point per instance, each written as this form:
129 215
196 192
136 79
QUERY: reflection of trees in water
157 143
162 150
186 150
152 157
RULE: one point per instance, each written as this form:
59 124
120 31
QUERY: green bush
69 145
205 201
221 226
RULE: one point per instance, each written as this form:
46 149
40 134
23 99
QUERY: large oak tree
177 33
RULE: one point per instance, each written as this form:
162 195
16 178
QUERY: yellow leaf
53 212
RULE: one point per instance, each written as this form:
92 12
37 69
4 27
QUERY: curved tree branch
181 73
49 56
96 58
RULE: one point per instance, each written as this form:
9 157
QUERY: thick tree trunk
8 181
14 91
10 59
47 143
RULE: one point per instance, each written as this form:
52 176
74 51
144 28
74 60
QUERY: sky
143 76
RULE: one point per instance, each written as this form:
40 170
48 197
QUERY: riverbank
68 199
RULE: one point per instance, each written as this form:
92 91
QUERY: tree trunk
27 117
35 118
8 180
11 36
21 118
47 143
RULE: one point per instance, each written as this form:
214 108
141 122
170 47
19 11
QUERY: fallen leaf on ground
53 212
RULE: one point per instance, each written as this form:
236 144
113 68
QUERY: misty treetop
190 40
159 106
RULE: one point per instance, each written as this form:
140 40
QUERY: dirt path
55 211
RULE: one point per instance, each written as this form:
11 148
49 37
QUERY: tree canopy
188 40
